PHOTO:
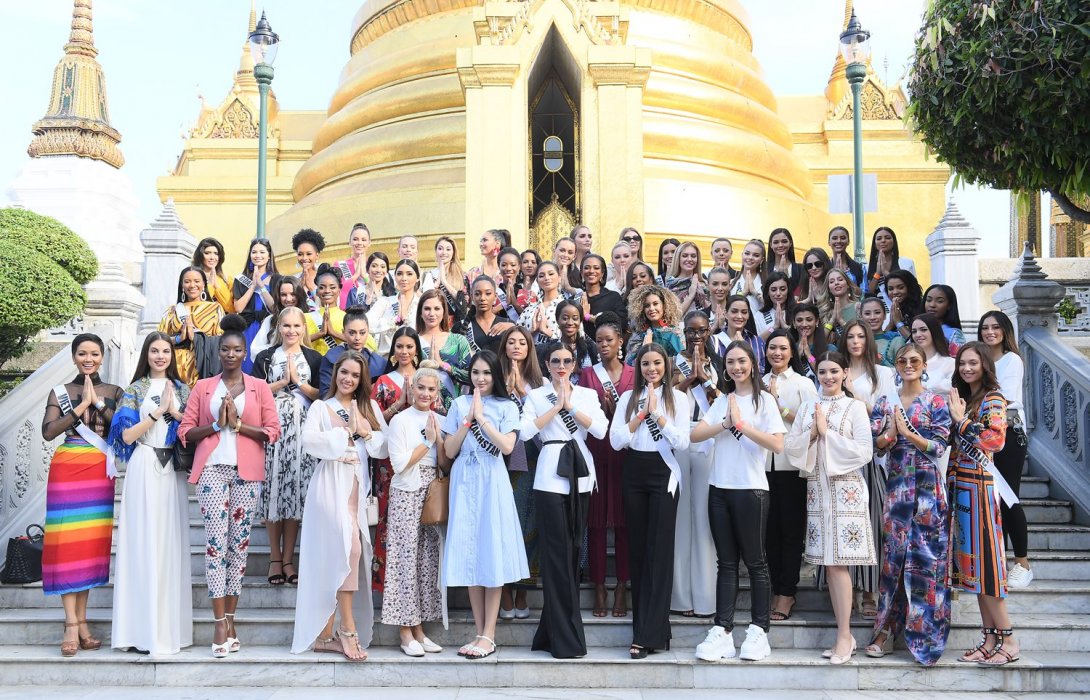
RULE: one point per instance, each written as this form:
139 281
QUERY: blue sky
158 55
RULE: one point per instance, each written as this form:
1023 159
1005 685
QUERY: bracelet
238 425
784 412
811 358
740 424
429 443
877 276
467 422
900 325
216 427
828 326
724 425
587 318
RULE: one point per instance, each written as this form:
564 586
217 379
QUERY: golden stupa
660 117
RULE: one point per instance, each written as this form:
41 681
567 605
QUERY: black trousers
560 631
737 518
1009 461
650 513
784 536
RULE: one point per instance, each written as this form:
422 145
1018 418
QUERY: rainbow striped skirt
79 519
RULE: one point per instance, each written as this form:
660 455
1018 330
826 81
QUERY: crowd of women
798 408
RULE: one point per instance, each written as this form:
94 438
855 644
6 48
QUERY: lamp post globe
856 51
263 46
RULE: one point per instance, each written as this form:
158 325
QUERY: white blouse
940 375
406 433
794 390
1010 372
676 431
226 451
843 453
382 319
583 401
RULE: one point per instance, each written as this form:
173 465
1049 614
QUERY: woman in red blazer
228 468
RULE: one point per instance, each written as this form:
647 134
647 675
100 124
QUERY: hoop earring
897 381
204 296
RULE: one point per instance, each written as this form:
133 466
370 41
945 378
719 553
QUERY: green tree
1001 93
43 265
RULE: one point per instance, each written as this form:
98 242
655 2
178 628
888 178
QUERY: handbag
183 455
437 500
372 510
24 559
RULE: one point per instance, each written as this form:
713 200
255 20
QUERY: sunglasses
631 239
909 362
561 361
815 265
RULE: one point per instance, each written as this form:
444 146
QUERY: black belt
571 465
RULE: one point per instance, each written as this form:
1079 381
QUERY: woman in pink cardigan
228 468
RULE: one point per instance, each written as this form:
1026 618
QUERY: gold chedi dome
433 129
77 121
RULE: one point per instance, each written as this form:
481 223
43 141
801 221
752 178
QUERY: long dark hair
391 362
870 349
180 296
913 303
248 267
630 273
938 339
387 289
143 367
776 276
754 372
444 324
640 383
362 395
988 381
582 346
769 259
820 342
794 363
530 370
499 379
1010 343
895 252
669 241
952 317
537 263
804 278
198 254
751 325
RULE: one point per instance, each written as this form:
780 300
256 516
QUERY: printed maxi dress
912 588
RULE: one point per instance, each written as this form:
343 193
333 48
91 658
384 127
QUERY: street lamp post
263 45
855 48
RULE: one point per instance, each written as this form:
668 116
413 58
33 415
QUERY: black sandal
293 579
984 632
998 650
637 652
277 579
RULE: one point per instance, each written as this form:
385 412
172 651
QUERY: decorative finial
253 17
1028 269
849 12
81 40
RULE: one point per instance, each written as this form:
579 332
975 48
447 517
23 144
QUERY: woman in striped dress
192 319
978 413
79 501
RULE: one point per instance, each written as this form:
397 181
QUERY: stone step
1043 596
805 630
514 666
1047 510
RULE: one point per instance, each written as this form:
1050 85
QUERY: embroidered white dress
838 531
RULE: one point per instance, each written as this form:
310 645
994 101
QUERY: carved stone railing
1080 299
1057 384
24 455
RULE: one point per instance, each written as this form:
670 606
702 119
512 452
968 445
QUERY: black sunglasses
815 265
631 239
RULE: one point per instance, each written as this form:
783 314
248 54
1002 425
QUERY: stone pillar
953 251
168 248
1030 298
113 301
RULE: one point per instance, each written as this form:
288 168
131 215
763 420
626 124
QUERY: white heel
233 643
220 651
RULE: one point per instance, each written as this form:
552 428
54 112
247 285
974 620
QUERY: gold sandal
354 638
70 647
90 642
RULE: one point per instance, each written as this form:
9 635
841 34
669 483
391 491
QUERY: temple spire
77 121
837 86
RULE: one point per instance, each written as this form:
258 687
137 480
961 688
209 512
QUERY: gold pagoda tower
454 116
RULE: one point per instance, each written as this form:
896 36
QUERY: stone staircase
1052 619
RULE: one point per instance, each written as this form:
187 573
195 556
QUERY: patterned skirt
980 564
287 467
411 594
79 519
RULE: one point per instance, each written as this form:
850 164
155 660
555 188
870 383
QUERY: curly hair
671 309
308 235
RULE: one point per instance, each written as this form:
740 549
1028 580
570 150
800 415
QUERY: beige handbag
372 510
437 501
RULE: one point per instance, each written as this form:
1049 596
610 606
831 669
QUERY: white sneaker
1019 576
719 644
756 646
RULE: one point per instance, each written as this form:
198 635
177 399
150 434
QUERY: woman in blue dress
484 548
253 300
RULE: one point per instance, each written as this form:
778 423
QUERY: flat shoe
413 648
430 646
505 615
476 653
521 614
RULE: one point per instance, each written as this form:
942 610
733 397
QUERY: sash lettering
92 438
569 419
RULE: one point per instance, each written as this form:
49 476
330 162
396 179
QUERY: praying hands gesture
957 407
821 423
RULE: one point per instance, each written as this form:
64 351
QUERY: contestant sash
92 438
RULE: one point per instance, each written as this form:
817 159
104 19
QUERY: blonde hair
675 264
455 275
277 339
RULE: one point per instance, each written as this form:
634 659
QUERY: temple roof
77 121
238 116
878 101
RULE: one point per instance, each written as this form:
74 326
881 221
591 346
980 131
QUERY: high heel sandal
293 579
876 650
70 647
638 652
998 650
220 650
837 660
90 642
277 579
984 632
233 643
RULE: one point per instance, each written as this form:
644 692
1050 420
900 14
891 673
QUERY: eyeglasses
561 361
631 239
815 265
909 362
696 331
